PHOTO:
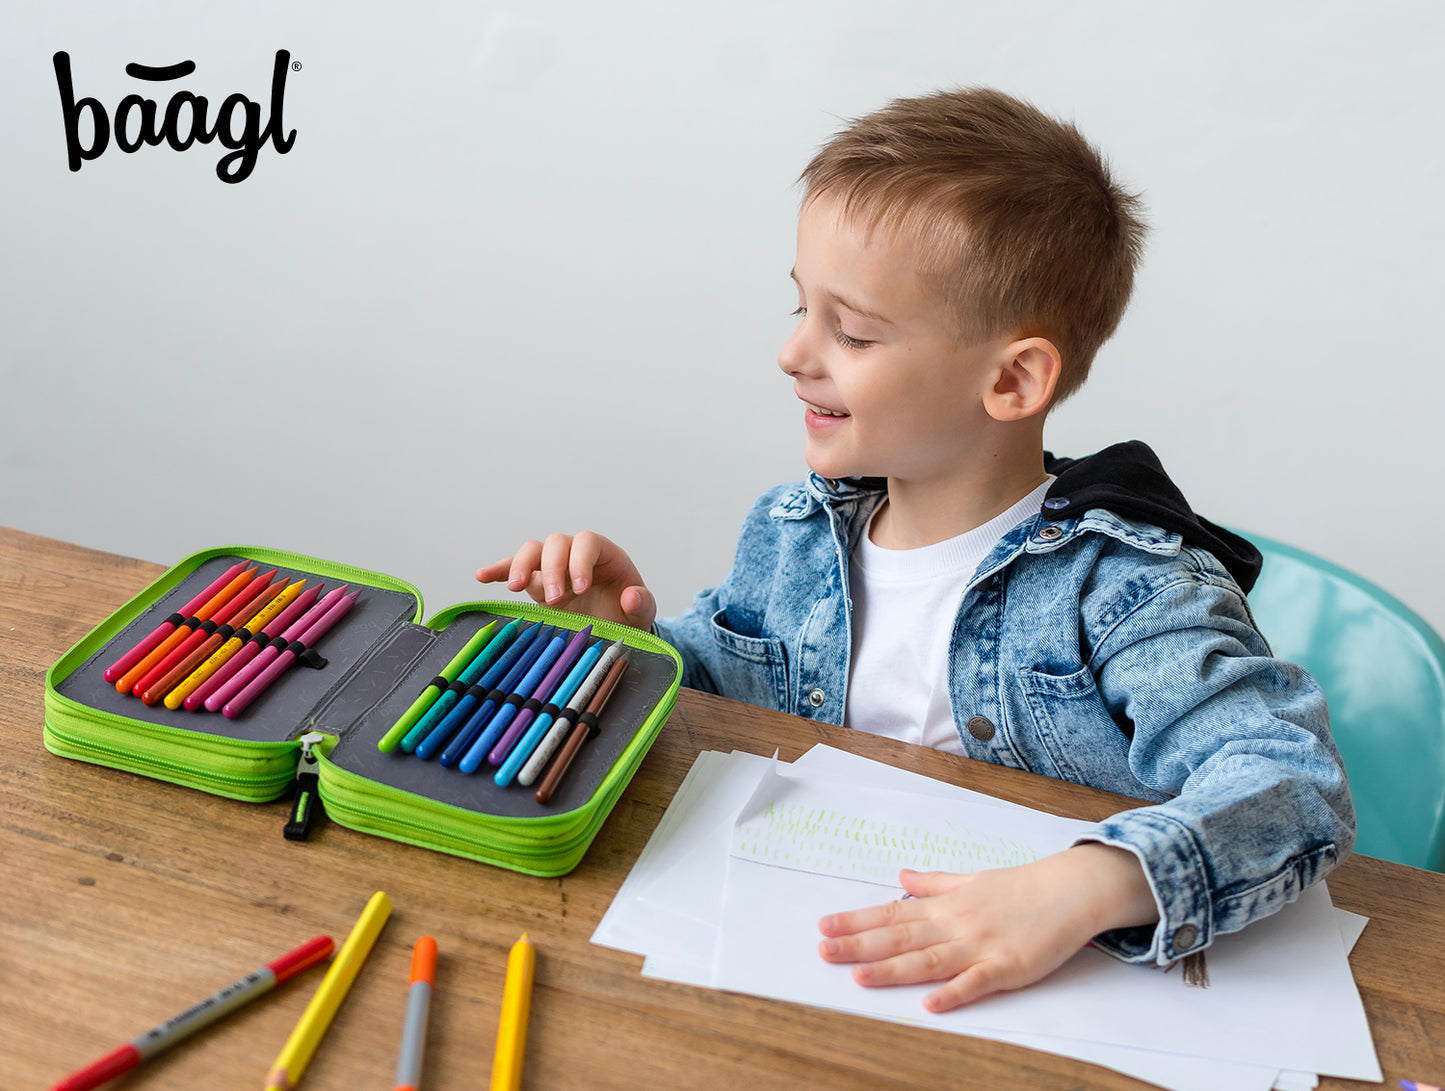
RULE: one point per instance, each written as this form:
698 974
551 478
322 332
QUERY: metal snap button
1054 503
1185 936
816 698
1048 534
981 728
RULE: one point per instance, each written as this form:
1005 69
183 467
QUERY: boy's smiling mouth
823 411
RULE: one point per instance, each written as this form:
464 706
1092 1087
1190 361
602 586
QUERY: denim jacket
1093 648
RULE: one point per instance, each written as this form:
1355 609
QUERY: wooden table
126 900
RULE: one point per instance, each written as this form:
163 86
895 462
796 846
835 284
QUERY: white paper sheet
670 907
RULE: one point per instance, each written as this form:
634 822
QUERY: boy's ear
1024 383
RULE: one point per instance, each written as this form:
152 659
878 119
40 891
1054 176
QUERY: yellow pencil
197 677
296 1053
512 1029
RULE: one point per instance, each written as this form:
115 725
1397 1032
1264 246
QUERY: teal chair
1383 672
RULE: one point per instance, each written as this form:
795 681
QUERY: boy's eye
800 312
850 342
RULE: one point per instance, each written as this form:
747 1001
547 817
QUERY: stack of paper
751 853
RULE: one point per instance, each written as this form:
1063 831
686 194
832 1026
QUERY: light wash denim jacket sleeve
1095 650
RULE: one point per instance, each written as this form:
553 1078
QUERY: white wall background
525 269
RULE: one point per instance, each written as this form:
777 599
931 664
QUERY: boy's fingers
875 916
556 554
497 570
976 982
890 941
936 962
639 606
586 548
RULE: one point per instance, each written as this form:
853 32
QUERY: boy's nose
794 357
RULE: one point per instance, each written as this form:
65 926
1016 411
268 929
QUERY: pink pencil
144 648
237 704
242 678
249 650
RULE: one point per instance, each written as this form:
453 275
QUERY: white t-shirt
904 605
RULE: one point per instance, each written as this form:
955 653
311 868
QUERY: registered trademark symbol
296 66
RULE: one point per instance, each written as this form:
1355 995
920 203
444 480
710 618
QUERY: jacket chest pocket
749 668
1072 731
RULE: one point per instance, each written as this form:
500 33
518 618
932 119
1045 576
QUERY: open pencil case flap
252 757
403 797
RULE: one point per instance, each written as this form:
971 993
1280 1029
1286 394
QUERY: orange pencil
196 636
254 625
223 633
219 599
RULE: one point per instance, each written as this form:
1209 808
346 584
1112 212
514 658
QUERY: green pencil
424 701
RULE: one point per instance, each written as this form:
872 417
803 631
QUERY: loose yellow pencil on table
297 1052
512 1028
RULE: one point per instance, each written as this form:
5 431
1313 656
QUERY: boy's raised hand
993 930
585 573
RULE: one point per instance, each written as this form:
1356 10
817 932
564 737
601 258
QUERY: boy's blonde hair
1017 219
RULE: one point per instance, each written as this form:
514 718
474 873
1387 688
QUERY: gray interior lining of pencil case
365 716
280 712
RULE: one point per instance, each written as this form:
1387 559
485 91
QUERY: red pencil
223 633
219 599
165 628
224 613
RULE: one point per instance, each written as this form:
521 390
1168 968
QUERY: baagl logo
186 119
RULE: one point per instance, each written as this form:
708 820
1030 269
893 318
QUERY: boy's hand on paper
585 573
993 930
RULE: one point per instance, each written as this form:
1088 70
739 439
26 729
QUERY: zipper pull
306 803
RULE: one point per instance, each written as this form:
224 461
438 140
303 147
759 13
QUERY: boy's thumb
639 606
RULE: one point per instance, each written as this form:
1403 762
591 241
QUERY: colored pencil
126 681
197 636
512 664
428 696
165 628
222 655
418 1004
443 724
586 727
233 996
535 696
562 724
473 728
512 1026
296 1054
249 650
279 665
203 651
543 722
242 678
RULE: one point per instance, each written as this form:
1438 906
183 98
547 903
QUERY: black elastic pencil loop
495 695
225 632
440 683
242 634
589 719
280 643
176 619
311 658
531 703
476 691
513 699
263 639
549 709
207 626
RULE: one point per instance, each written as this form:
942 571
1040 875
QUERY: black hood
1128 480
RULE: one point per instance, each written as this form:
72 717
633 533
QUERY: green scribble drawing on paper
830 842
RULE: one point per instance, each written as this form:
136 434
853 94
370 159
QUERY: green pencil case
377 660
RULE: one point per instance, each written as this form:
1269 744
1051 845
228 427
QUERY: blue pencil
463 738
439 734
470 673
528 742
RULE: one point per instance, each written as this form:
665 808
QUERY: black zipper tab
306 805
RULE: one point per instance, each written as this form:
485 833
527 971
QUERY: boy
940 578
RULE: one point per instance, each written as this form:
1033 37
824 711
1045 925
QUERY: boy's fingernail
579 585
830 947
554 592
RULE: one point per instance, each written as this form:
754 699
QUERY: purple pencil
248 651
243 677
237 704
543 692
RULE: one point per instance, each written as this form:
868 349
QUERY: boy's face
889 387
